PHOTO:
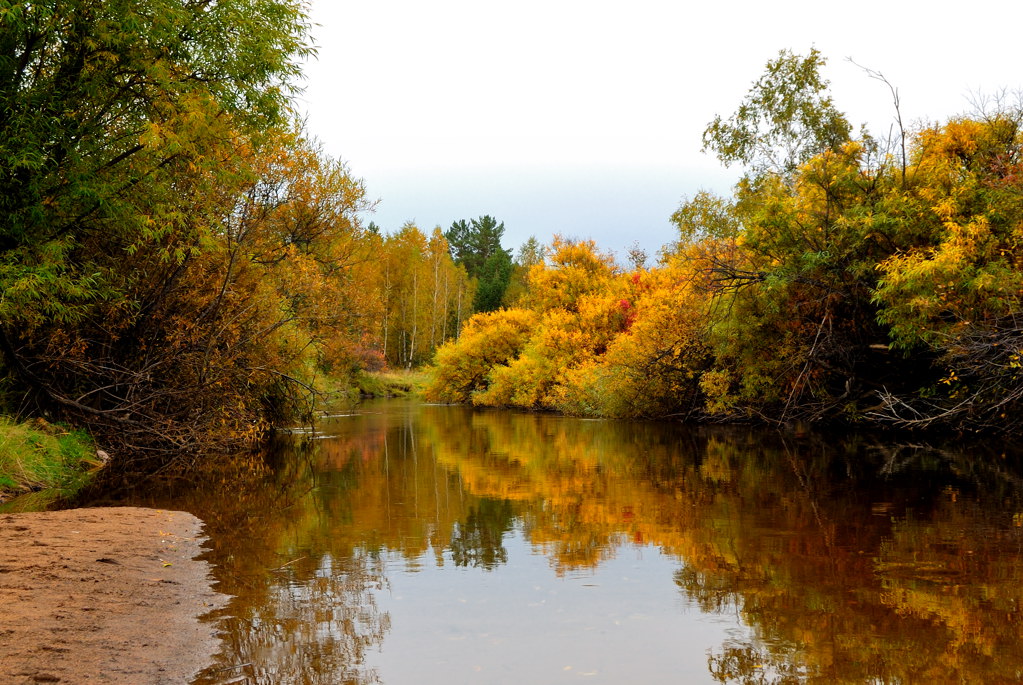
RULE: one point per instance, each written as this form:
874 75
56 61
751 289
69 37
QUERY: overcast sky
584 117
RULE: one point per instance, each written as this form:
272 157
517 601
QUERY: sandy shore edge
107 595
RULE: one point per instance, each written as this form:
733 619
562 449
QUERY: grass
40 457
398 383
346 392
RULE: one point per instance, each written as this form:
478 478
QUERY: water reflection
824 561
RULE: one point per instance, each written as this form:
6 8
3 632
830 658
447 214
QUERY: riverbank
104 596
44 460
393 383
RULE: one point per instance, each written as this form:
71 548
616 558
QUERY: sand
104 596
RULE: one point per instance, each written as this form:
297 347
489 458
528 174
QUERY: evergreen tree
476 245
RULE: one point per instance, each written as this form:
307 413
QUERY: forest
183 268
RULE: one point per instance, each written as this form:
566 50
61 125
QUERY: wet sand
104 596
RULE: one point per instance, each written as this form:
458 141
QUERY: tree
489 339
572 269
208 351
130 131
102 102
790 258
956 293
530 252
424 295
785 118
474 242
494 279
476 245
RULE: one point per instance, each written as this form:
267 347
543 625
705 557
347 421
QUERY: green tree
955 293
791 257
473 242
530 252
131 133
785 118
476 245
103 101
493 282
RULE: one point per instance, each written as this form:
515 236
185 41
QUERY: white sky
585 117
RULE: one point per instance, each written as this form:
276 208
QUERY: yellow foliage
462 367
572 269
602 343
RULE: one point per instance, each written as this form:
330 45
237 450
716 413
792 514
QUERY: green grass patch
391 383
40 457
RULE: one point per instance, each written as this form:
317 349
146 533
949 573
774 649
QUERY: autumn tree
216 346
843 280
790 258
141 233
104 103
488 340
425 296
786 117
956 293
852 284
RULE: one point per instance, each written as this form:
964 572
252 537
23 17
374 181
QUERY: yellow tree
587 340
424 295
957 293
652 362
566 292
463 367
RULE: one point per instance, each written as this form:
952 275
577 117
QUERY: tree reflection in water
850 560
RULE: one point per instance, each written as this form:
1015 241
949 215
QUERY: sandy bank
103 596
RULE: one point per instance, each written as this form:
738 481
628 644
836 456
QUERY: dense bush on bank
845 280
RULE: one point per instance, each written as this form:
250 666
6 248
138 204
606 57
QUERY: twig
288 564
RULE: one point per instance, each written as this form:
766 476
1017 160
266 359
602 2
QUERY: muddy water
426 544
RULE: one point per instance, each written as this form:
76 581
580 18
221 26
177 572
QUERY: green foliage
180 267
703 217
529 254
474 242
494 279
785 118
399 383
957 293
476 246
103 103
964 271
37 456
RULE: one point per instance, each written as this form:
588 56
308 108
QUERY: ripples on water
428 544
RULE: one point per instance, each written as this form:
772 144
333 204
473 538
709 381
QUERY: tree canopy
476 245
178 259
843 280
786 117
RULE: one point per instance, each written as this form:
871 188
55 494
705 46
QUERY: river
406 543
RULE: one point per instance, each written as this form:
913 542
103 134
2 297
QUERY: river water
407 543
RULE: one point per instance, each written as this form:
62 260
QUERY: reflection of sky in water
624 621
